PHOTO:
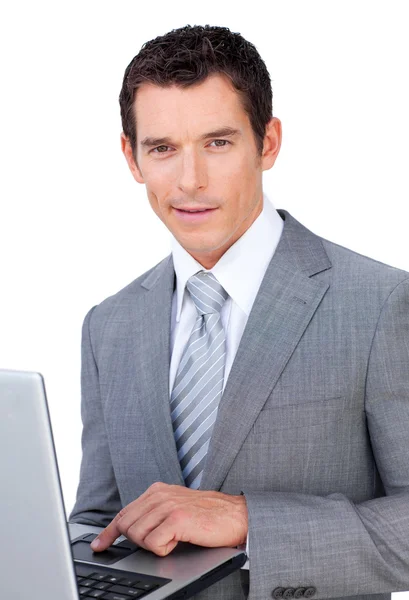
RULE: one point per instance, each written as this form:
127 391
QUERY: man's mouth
190 214
201 209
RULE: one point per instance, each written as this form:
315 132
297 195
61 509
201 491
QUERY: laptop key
102 585
115 597
99 576
129 582
134 593
87 582
113 579
128 592
83 590
145 585
95 593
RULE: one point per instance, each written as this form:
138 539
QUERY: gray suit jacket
313 425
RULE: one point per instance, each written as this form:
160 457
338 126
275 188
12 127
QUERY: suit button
309 592
278 593
289 593
299 592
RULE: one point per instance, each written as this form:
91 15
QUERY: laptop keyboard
112 584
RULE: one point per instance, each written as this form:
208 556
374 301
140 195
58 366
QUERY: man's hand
167 514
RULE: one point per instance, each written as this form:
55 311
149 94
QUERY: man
254 386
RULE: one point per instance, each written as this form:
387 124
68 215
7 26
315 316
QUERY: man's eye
163 148
223 143
158 149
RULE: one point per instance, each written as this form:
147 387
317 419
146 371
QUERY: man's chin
204 249
206 254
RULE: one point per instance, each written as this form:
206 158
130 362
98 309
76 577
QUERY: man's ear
272 143
127 150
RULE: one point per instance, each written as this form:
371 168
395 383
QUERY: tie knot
206 292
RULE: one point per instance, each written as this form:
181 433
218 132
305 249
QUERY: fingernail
95 544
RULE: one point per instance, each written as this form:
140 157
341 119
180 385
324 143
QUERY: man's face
196 154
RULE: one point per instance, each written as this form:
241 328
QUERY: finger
164 538
131 513
108 535
122 521
139 530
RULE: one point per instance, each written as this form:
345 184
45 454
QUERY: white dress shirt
240 271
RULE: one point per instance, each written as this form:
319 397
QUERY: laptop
44 557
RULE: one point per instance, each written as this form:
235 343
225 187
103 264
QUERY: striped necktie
198 384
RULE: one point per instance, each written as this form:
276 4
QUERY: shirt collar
242 267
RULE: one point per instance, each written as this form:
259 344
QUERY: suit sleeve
98 499
328 542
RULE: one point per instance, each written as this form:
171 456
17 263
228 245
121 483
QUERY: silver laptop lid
35 542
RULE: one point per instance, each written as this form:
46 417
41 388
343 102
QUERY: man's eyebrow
149 142
222 132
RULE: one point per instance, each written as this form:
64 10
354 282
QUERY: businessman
253 387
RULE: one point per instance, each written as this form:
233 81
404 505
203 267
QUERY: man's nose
193 172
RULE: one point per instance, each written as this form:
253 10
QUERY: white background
76 228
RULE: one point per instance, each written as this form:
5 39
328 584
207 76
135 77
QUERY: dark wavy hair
188 55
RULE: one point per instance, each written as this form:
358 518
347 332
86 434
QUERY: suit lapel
286 302
152 361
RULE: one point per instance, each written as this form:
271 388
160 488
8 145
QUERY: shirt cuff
246 564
